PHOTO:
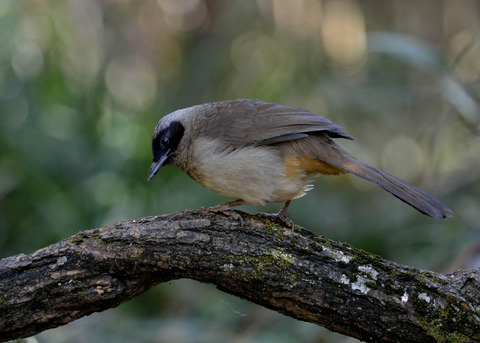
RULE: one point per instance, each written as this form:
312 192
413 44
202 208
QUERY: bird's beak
156 166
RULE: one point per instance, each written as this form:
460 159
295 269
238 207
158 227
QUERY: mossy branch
293 272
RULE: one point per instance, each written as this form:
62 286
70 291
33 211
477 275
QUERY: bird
258 152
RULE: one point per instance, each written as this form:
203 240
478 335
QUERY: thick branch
296 273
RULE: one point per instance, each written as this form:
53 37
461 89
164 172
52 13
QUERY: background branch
295 273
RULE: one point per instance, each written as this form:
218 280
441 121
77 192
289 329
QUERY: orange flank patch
295 165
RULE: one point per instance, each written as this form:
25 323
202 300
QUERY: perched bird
258 152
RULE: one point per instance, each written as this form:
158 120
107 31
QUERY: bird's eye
164 141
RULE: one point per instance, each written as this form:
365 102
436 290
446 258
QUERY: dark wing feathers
283 138
248 121
277 120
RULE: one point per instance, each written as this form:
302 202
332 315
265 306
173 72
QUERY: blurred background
83 84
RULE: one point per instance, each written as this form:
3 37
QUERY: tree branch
293 272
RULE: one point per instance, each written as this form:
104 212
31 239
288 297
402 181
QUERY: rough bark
296 273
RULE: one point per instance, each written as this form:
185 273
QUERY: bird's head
165 140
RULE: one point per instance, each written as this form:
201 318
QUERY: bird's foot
226 209
281 217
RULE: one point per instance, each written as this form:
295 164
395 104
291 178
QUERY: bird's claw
281 217
222 209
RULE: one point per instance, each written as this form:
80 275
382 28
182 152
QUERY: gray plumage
259 152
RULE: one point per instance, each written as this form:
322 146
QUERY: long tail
402 190
328 152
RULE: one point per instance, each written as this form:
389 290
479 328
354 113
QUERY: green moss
77 239
240 260
294 241
98 239
319 247
321 242
82 237
305 251
436 330
361 257
276 259
325 258
421 305
353 278
433 277
407 276
371 284
274 229
443 323
388 287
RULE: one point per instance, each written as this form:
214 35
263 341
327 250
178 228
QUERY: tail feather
402 190
324 149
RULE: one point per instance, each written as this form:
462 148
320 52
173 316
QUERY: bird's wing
248 121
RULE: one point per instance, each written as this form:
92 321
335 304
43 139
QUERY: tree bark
295 273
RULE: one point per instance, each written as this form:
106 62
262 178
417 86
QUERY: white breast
253 174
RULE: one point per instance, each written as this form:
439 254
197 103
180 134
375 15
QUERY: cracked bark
304 276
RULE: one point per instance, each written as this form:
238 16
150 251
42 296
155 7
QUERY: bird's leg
282 215
226 208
